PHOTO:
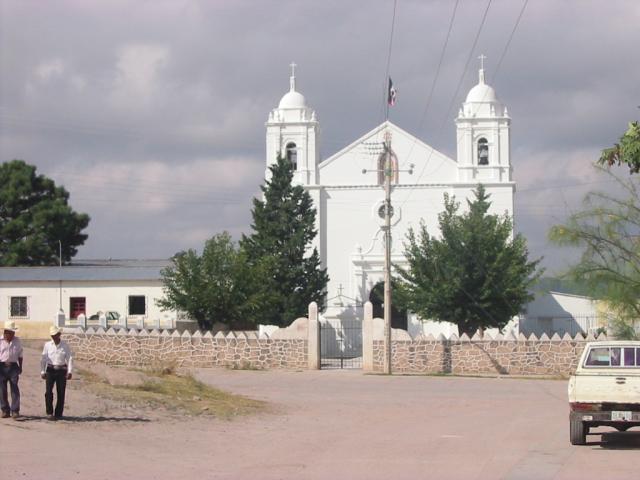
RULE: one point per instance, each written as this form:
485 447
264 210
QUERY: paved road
323 425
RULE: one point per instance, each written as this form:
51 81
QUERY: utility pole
60 284
388 171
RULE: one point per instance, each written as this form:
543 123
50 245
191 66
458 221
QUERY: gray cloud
152 113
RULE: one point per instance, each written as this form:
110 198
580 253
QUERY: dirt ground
320 425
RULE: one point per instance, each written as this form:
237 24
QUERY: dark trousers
9 375
59 378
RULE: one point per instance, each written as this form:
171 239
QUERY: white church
350 204
349 219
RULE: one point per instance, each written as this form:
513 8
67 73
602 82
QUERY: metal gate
340 343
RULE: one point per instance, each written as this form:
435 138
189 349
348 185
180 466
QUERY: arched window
483 152
292 155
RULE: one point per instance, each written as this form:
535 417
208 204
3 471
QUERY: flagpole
386 100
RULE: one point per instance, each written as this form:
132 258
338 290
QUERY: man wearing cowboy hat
10 370
55 367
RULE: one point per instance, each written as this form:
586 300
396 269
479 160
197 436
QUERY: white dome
482 93
292 99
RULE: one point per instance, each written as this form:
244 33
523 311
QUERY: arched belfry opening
292 155
398 315
483 151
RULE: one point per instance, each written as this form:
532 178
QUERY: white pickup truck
605 389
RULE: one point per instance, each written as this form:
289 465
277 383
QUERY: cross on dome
482 58
292 99
292 78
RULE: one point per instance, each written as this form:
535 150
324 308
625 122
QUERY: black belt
8 364
57 367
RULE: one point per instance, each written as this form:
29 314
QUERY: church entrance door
398 316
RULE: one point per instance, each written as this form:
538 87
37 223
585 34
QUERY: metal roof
79 273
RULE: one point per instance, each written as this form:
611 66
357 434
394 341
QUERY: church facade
350 203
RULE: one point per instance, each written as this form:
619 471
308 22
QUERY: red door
77 305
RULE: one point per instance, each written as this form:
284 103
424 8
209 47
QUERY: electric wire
460 81
508 44
435 78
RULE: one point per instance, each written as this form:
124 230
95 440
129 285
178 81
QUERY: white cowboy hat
53 330
11 326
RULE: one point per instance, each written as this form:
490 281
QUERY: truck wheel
577 432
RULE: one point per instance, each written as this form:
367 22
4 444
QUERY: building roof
94 270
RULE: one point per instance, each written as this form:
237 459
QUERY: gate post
367 338
313 340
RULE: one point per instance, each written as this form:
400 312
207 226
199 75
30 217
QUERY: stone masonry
498 355
557 357
295 347
197 350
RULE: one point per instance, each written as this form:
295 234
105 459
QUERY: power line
453 98
435 78
506 47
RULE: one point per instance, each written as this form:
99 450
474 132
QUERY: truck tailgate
615 387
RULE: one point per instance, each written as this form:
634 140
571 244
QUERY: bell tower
293 131
483 138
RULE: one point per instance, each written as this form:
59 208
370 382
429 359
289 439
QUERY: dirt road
322 425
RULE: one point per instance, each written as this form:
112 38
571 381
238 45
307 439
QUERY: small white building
555 312
32 296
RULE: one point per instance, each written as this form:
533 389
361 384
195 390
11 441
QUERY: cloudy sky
151 113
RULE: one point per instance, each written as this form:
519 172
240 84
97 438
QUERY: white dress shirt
10 351
56 355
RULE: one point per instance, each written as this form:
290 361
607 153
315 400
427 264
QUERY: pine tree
278 249
475 275
35 218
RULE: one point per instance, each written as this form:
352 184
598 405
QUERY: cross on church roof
292 79
482 58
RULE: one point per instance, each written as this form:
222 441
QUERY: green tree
34 217
278 249
627 151
608 230
475 275
214 287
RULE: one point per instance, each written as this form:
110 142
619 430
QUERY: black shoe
51 417
4 415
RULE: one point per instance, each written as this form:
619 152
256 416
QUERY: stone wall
482 357
555 356
294 347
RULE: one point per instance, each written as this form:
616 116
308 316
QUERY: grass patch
179 393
